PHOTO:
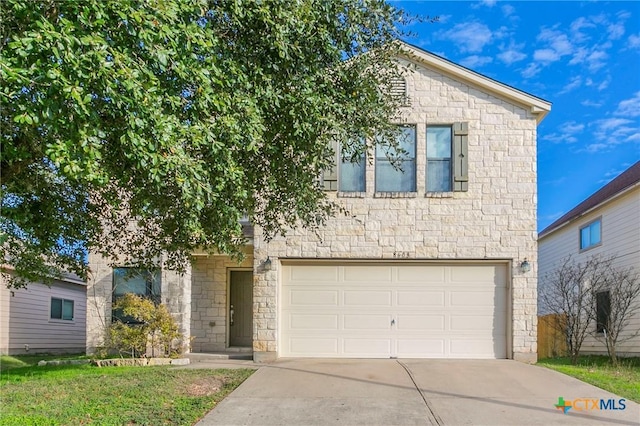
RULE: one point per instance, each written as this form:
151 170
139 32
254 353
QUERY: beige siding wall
620 238
209 289
26 326
495 219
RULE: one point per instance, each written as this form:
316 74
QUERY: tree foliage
179 117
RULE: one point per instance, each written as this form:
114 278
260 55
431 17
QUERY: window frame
439 159
362 163
63 302
153 291
413 159
588 225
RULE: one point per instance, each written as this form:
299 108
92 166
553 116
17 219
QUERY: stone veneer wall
209 288
175 292
495 219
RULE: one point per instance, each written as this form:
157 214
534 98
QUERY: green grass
7 362
84 394
623 380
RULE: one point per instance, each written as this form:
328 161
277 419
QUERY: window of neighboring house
590 234
142 282
603 307
351 173
61 309
396 168
439 167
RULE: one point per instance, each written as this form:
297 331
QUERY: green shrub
152 330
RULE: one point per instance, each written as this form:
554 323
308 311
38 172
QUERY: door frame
227 343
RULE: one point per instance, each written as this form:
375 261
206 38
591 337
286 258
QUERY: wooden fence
551 338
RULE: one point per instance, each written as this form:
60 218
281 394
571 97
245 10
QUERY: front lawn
623 380
84 394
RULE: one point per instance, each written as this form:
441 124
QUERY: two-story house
606 224
437 258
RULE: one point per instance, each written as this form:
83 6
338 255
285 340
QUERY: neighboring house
43 318
427 264
605 224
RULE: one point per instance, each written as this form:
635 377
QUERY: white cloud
616 31
557 41
474 61
567 134
629 107
597 59
610 132
575 83
531 70
487 3
634 41
511 54
508 10
605 84
608 124
546 55
470 37
591 104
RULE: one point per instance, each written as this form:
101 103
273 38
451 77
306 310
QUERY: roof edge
537 106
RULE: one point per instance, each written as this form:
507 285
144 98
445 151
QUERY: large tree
145 128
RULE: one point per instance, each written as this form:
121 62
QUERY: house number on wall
401 254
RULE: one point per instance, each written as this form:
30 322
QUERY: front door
241 308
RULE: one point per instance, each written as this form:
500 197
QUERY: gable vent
399 90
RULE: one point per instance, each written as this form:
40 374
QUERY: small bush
152 329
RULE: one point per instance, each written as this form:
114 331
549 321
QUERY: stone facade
175 293
209 290
494 219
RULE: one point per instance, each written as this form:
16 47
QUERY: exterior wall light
266 265
525 266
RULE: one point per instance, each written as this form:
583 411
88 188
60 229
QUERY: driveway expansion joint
434 418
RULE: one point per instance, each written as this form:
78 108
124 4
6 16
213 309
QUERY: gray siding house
607 223
43 319
438 260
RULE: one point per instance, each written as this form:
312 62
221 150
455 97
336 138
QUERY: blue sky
584 57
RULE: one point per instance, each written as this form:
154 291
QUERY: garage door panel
478 274
367 322
426 323
479 299
367 347
314 346
362 275
367 298
420 298
314 273
421 274
421 348
313 322
476 348
394 309
475 323
313 297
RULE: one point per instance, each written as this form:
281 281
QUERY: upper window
141 282
61 309
351 176
396 168
439 151
590 234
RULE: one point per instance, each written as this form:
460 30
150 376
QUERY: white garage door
393 310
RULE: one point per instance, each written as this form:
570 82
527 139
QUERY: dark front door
241 308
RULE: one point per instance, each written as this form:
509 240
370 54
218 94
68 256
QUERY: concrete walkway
411 392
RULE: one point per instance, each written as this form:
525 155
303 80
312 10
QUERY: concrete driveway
414 392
